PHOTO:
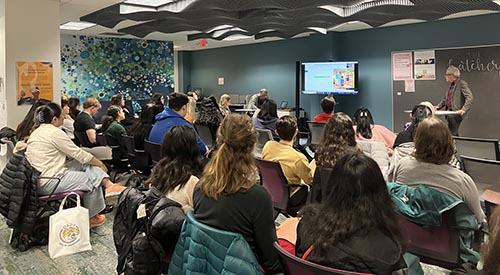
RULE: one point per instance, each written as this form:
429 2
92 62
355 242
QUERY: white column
29 31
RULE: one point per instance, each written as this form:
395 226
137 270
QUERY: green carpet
100 260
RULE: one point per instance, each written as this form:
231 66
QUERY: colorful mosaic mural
102 67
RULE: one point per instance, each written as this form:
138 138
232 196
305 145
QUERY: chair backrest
265 135
316 130
294 265
101 139
477 147
129 144
436 245
484 172
275 182
153 149
205 134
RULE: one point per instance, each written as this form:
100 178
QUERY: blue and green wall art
102 66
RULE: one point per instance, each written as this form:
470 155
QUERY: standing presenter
458 98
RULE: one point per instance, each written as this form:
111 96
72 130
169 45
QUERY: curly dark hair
180 159
111 115
357 202
419 113
363 120
433 142
337 139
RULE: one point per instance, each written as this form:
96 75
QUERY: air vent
113 34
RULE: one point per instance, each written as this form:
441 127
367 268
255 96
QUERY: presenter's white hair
452 70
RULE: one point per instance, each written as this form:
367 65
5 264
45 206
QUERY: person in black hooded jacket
355 227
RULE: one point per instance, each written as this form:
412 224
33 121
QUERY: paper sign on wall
34 81
425 65
402 66
410 86
220 80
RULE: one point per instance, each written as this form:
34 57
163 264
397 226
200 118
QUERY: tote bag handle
64 200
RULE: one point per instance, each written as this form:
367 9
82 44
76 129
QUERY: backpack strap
308 251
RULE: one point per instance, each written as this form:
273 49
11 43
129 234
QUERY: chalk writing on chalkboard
471 65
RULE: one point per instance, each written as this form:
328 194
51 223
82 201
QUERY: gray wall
248 68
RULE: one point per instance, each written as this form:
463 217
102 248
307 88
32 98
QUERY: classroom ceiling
233 22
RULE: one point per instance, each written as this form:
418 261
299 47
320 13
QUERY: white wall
3 103
31 34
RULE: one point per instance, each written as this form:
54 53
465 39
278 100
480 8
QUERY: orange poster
34 81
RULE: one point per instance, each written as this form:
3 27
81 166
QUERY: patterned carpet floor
100 261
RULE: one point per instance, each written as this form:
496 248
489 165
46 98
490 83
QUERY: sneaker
97 220
114 190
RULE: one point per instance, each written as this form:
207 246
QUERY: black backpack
144 245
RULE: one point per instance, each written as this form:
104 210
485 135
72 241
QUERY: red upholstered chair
275 182
294 265
436 245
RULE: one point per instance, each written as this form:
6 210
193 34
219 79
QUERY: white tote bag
69 231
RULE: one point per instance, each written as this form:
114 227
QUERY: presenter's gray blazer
462 97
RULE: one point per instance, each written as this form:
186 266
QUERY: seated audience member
267 117
294 164
491 251
74 107
228 196
252 103
354 218
418 113
429 166
26 126
225 100
191 110
367 130
176 174
67 126
158 100
141 129
119 101
113 131
47 150
260 100
337 140
84 123
209 114
173 116
328 106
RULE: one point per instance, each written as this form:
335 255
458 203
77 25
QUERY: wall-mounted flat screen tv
339 78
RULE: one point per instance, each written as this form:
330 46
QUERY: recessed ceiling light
149 3
76 26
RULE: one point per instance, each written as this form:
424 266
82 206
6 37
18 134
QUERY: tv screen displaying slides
330 78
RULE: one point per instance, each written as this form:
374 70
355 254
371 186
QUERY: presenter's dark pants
454 124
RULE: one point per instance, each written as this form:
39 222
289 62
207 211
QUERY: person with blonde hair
224 102
228 196
84 123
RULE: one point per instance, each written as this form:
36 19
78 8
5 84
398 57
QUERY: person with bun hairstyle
418 113
47 149
228 196
113 131
119 100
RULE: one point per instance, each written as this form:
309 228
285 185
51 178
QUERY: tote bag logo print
69 234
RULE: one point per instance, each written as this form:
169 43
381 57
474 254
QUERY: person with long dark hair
337 140
176 174
74 106
113 131
26 126
141 129
158 100
47 150
229 198
366 129
119 100
267 117
418 113
355 217
67 126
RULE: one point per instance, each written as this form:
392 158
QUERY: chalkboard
480 67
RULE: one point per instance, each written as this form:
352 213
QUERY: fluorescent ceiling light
221 32
220 27
237 37
320 30
149 3
76 26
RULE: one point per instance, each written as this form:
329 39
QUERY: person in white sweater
47 149
429 165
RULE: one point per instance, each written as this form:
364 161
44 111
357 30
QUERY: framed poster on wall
34 81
